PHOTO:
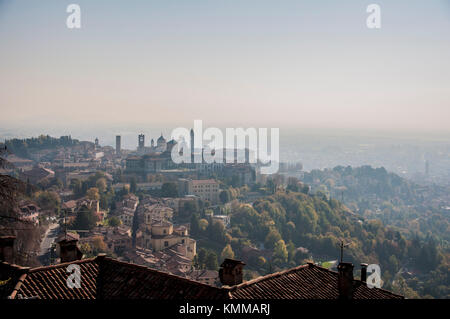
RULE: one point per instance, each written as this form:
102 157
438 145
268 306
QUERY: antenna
65 225
342 245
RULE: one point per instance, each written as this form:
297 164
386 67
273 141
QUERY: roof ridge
14 266
166 274
357 281
61 265
269 276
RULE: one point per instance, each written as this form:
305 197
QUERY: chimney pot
68 248
230 272
364 272
345 280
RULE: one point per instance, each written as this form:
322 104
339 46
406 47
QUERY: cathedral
151 159
160 147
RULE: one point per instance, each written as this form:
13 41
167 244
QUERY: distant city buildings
207 189
118 145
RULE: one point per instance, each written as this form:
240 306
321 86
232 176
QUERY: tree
271 186
55 183
203 224
48 200
195 226
216 232
227 252
225 196
291 250
280 251
211 261
169 190
101 184
272 238
293 184
107 199
98 245
133 185
86 249
189 207
85 219
93 194
114 221
261 261
202 257
10 187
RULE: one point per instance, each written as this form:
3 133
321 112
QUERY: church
151 159
160 147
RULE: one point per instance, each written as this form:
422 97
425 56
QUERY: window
166 244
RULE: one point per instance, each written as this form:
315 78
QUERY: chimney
68 248
230 272
7 248
345 280
364 272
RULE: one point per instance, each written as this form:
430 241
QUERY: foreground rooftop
106 278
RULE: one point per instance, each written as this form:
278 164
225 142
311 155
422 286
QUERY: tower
161 143
141 141
118 142
96 142
192 145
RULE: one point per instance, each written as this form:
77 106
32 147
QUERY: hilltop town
81 200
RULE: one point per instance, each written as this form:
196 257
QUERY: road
46 244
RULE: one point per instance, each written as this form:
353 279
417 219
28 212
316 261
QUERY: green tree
211 261
261 261
280 251
48 200
169 190
189 207
271 186
227 252
216 232
202 257
195 226
225 196
93 194
85 219
98 245
114 221
291 250
101 185
272 238
203 224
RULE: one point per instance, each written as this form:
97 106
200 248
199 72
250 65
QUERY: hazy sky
235 63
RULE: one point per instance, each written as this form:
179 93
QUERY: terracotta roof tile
303 282
50 282
107 278
131 281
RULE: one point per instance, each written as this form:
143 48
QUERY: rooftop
203 181
303 282
106 278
